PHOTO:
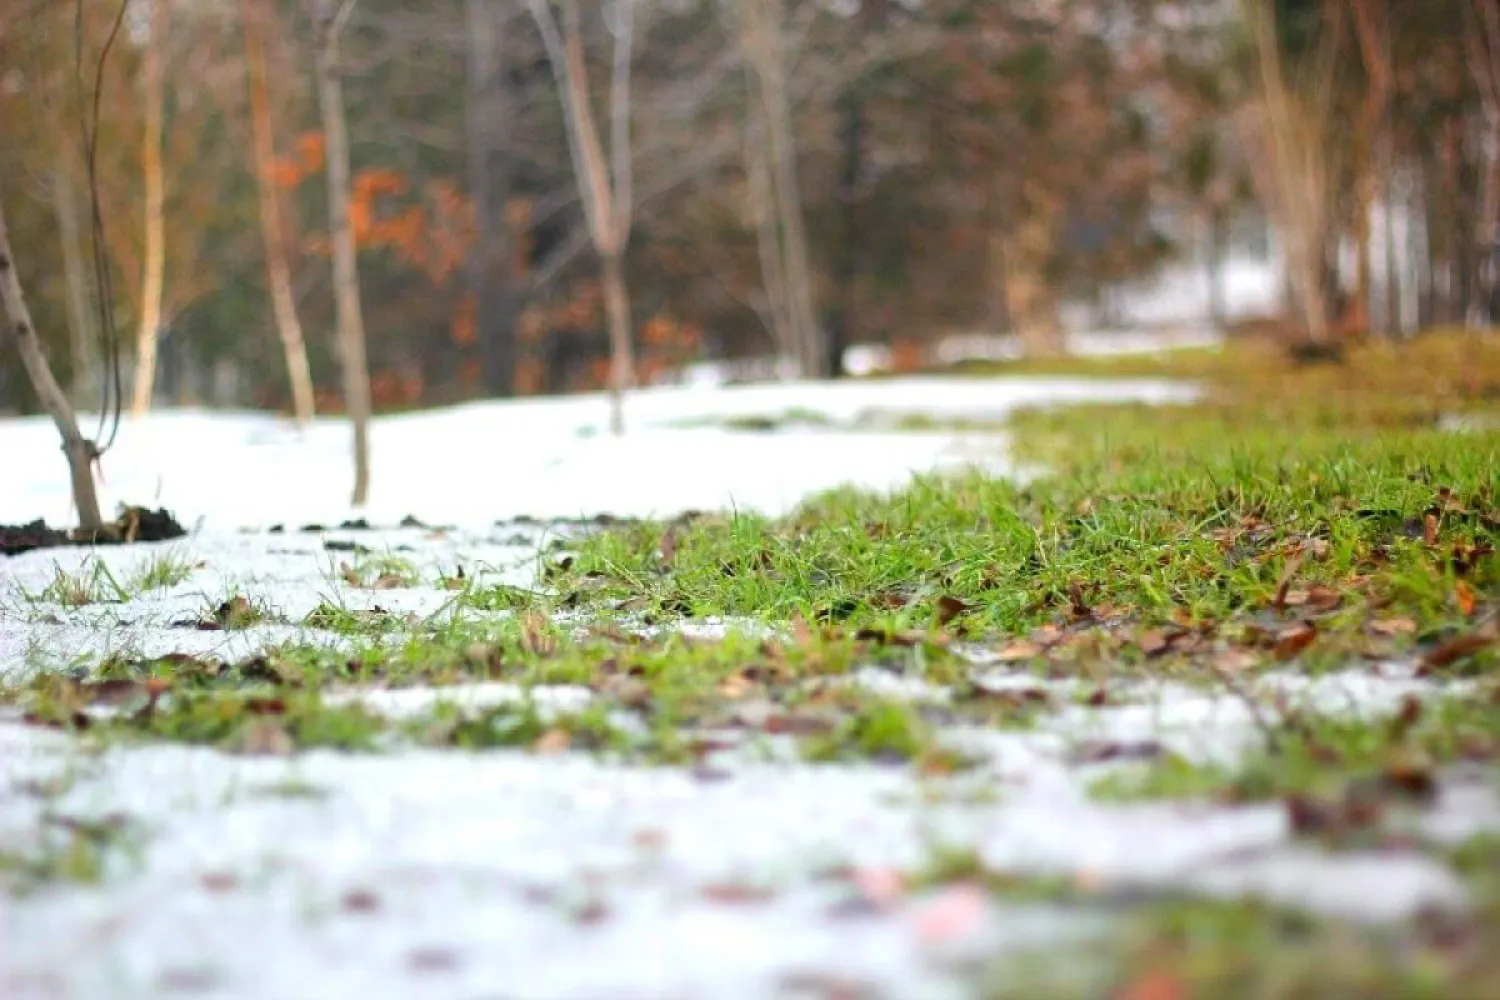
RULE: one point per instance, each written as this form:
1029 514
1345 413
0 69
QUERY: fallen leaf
1461 647
432 960
535 638
1411 776
955 912
1099 751
1283 586
880 887
219 882
1293 640
735 893
264 737
1431 523
1393 626
1154 986
949 608
1020 649
1463 596
553 741
360 901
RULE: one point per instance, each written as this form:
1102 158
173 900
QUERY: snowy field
507 875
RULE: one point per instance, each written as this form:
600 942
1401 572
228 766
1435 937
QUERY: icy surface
450 874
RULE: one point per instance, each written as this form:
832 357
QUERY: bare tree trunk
1394 321
491 276
1298 122
80 451
1482 38
1374 42
351 326
82 336
156 249
621 354
278 271
768 243
606 184
1218 309
761 36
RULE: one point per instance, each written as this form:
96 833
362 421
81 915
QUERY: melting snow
455 874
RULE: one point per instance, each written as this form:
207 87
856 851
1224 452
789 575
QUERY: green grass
1309 516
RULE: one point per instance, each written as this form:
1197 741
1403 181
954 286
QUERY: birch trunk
605 184
761 37
82 335
621 353
278 271
153 273
79 450
351 328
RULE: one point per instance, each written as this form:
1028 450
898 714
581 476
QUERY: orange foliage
906 356
530 376
464 328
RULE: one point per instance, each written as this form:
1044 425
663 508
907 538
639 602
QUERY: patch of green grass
1333 756
69 851
162 570
91 583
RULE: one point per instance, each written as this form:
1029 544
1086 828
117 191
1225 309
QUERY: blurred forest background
765 183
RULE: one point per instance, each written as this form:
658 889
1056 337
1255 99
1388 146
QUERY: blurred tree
255 18
329 20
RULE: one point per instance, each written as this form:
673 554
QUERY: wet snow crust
502 874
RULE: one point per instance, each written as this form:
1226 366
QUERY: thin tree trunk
80 451
1394 321
491 284
1218 310
278 271
351 327
766 50
840 327
82 336
768 242
155 245
605 184
621 354
1483 277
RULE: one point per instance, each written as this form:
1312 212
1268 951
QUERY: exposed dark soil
135 524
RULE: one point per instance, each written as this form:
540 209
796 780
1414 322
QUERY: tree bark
278 271
605 184
621 353
841 320
1218 309
82 336
491 278
351 327
154 272
761 36
80 451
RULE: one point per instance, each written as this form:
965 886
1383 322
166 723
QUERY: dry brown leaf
1461 647
1293 640
949 608
1283 586
1020 649
1463 596
265 737
1234 661
535 638
735 893
553 741
1393 626
1431 523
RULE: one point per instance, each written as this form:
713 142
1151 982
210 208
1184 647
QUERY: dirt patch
135 524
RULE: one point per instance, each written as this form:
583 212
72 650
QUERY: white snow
549 457
457 874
